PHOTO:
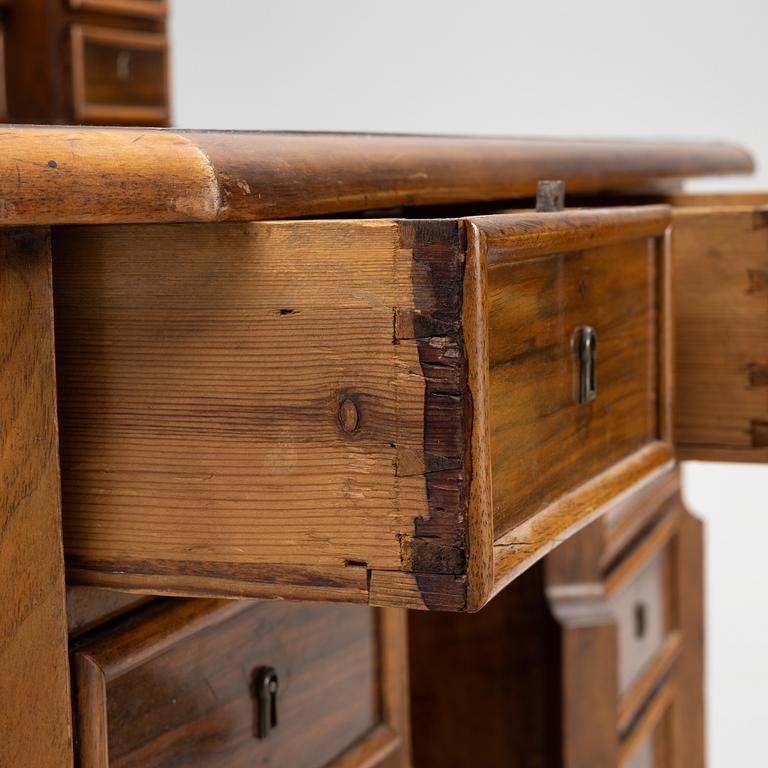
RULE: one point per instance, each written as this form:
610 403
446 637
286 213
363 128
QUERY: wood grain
149 8
168 176
721 284
555 464
173 683
543 442
589 648
34 677
485 686
690 721
119 76
270 410
45 74
87 608
358 410
651 744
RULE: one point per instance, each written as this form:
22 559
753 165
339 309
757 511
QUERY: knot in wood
349 416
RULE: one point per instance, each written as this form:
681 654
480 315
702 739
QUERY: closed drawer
178 684
119 75
144 8
651 743
641 593
378 411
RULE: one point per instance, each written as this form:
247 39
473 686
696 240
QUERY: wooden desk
367 370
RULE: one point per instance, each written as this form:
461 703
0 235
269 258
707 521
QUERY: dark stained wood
45 72
119 76
485 687
173 684
34 677
142 8
551 673
196 176
87 607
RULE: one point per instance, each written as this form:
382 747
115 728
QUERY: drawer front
556 455
544 442
651 743
119 75
645 614
178 684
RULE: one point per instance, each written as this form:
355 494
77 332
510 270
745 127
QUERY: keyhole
641 621
123 66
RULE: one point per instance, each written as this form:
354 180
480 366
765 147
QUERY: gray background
685 68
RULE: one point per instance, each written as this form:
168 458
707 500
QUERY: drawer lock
266 686
587 349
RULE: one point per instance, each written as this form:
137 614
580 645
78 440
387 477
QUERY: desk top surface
89 175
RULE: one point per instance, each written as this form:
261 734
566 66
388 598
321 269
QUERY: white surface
654 68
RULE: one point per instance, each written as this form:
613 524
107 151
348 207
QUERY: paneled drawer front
144 8
179 684
642 597
379 411
556 455
544 442
119 75
651 744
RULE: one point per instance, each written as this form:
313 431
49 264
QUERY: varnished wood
195 176
651 744
324 410
589 651
46 72
35 718
150 8
87 608
485 686
556 463
119 76
554 642
626 519
173 683
690 720
721 266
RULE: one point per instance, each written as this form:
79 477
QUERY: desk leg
35 719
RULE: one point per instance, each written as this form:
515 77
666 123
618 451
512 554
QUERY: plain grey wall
667 68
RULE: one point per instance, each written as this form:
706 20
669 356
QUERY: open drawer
720 253
398 412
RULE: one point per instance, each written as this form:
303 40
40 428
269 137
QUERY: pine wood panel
174 684
555 464
221 438
543 442
35 718
103 175
721 282
313 409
